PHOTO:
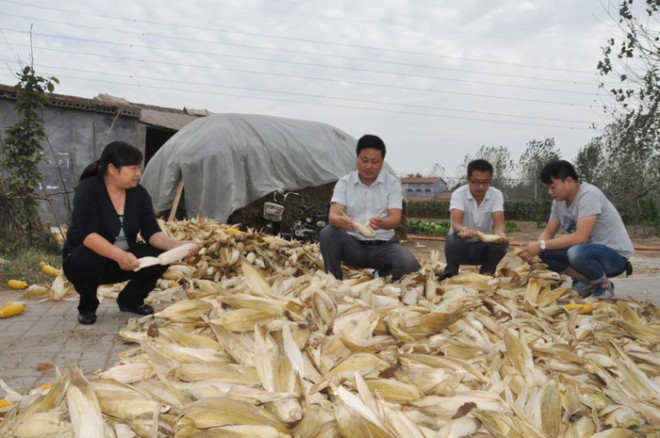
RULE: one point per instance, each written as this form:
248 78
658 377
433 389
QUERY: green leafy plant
428 227
511 227
20 154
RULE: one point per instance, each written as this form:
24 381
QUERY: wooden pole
177 198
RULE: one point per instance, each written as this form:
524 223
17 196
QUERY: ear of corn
17 284
584 308
12 309
48 269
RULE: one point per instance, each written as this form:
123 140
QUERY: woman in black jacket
109 209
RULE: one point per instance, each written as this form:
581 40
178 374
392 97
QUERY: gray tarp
227 161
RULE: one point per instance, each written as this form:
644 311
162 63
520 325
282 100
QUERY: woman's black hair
116 153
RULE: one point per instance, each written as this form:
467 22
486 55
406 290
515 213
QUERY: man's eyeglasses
480 182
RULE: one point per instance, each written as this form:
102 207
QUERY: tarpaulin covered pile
227 161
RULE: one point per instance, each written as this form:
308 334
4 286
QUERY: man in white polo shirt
475 206
366 196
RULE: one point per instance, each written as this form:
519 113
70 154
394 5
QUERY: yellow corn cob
17 284
48 269
231 231
11 309
584 308
4 403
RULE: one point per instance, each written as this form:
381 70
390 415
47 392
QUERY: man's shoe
583 288
87 318
604 291
144 309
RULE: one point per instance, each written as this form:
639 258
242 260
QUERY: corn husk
258 341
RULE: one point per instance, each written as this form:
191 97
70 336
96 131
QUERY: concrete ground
47 335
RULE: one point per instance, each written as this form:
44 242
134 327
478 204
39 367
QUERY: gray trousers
459 251
388 258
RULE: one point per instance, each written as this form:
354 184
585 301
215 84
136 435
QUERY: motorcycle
306 227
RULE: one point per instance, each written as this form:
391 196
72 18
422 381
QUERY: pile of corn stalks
278 348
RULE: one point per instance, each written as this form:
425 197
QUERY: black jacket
93 212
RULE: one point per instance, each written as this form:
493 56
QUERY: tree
536 156
20 154
631 173
499 157
590 163
633 57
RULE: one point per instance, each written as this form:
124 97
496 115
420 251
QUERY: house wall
425 190
74 138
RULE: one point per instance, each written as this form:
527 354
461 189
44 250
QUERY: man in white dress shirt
367 196
475 206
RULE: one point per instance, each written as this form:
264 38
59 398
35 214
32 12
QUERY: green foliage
520 210
20 261
431 227
428 209
589 163
428 227
20 154
499 157
633 56
533 160
631 144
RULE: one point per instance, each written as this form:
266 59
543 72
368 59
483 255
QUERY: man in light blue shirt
475 206
374 198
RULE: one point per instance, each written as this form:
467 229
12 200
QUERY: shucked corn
48 269
11 309
17 284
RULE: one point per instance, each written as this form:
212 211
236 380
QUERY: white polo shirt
363 202
475 217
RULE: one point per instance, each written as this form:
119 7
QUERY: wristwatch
542 245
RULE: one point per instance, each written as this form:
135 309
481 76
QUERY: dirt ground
644 262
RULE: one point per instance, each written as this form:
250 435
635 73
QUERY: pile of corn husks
264 344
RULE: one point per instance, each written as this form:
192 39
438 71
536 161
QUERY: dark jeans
87 270
592 260
388 258
459 251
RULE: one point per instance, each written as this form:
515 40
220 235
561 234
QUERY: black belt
372 242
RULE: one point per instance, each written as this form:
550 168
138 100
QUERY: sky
435 79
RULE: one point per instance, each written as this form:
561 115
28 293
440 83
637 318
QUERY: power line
196 52
306 40
270 73
301 52
245 96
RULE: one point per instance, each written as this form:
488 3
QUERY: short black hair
481 165
558 169
370 141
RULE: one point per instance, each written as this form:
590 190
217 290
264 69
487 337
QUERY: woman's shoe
144 309
87 318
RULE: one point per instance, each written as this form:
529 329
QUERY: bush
520 210
430 227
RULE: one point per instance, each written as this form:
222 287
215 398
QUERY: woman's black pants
87 270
